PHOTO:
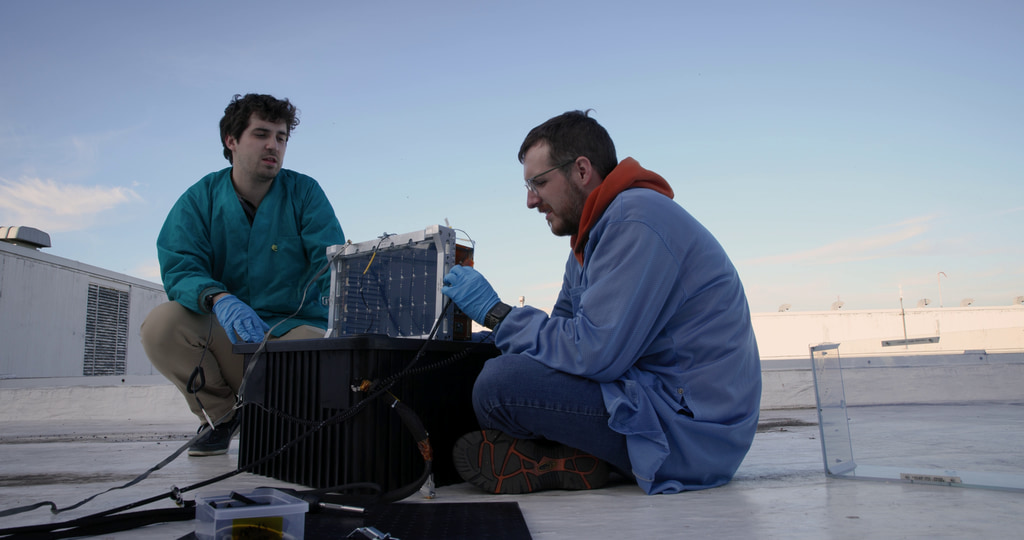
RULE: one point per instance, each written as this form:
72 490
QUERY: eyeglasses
531 182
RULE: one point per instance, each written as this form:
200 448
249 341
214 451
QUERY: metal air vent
106 332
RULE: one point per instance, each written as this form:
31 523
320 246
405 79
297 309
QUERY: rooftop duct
25 236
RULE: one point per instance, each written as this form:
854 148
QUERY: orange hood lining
628 174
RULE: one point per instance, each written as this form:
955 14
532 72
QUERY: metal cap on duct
25 236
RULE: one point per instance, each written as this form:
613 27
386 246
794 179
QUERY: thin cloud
56 207
148 270
907 222
1009 211
854 249
552 285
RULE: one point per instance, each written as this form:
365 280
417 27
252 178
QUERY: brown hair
571 135
240 110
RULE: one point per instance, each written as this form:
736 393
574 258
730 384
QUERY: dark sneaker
218 440
498 463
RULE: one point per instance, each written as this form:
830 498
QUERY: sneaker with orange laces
499 463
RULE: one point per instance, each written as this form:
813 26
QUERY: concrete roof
780 491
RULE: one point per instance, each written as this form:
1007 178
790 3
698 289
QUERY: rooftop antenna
838 304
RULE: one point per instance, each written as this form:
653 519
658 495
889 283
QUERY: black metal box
296 385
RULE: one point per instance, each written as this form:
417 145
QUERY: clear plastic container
263 513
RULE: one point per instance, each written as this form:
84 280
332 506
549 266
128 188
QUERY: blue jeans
528 400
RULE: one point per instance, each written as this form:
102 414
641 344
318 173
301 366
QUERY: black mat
424 521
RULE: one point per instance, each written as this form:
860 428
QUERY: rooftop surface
780 491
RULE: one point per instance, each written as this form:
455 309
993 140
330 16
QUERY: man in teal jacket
242 246
647 362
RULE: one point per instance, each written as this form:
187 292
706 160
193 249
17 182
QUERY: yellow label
258 528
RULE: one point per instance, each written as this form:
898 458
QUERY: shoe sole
499 463
200 453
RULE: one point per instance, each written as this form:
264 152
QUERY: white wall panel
43 307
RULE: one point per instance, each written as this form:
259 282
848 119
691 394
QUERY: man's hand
238 318
470 291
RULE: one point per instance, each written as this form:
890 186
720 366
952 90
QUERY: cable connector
341 508
176 496
427 489
364 386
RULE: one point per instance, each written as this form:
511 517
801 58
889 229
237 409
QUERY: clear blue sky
836 149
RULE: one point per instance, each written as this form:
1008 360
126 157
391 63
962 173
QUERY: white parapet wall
865 332
942 355
901 379
155 402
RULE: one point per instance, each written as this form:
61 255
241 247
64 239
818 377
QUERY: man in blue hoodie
647 364
241 246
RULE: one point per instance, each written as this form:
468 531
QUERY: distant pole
903 314
938 278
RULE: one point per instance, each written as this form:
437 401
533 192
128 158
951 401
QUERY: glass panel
953 419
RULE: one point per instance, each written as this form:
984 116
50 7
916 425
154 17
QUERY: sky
859 152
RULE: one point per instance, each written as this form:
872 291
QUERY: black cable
415 426
376 391
198 373
408 416
91 526
106 521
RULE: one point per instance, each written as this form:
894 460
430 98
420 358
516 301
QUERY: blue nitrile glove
237 317
470 291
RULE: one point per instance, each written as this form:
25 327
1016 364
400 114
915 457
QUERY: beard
566 221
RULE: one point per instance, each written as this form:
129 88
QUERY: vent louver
106 332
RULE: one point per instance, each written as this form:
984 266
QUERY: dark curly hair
571 135
240 110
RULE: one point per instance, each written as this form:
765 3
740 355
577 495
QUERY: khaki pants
175 338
